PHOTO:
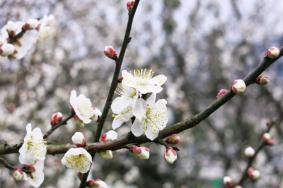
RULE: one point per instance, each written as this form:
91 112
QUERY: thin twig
6 164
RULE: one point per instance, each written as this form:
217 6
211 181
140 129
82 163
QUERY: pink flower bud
249 152
272 52
238 86
110 52
227 181
79 139
170 155
18 174
140 152
222 93
107 154
262 80
130 4
109 136
253 174
96 183
56 118
267 139
173 139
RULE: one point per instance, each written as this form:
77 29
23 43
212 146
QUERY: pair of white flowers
32 153
150 115
27 34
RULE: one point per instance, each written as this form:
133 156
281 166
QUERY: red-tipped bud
18 174
96 183
253 174
56 118
222 93
227 181
120 79
262 80
140 152
173 139
130 4
79 139
238 86
272 52
267 139
28 169
110 52
170 155
109 136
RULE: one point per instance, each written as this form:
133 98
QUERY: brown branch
114 83
175 128
6 164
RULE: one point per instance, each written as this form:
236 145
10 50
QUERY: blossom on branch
170 155
34 147
78 159
82 107
96 183
151 117
140 152
79 139
34 173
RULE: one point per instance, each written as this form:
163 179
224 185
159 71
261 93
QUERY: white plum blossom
79 139
34 147
36 177
123 105
82 107
109 136
142 81
151 117
7 49
78 159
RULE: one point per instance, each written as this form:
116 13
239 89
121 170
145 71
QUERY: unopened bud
238 86
110 52
173 139
170 155
272 52
7 49
253 174
267 139
227 181
107 154
18 174
249 152
120 79
109 136
140 152
130 4
238 186
56 118
79 139
96 183
222 93
262 80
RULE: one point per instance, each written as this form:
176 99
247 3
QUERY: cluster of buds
272 52
222 93
262 80
56 118
105 137
238 86
228 182
130 4
253 174
110 52
79 139
170 155
267 139
96 183
249 152
140 152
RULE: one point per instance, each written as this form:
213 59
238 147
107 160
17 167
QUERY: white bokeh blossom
78 159
34 147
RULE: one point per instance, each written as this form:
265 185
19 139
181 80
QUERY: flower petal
159 79
137 128
119 104
151 133
139 109
116 123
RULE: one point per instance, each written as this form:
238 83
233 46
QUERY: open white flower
151 117
36 177
78 159
33 148
142 81
82 107
122 106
